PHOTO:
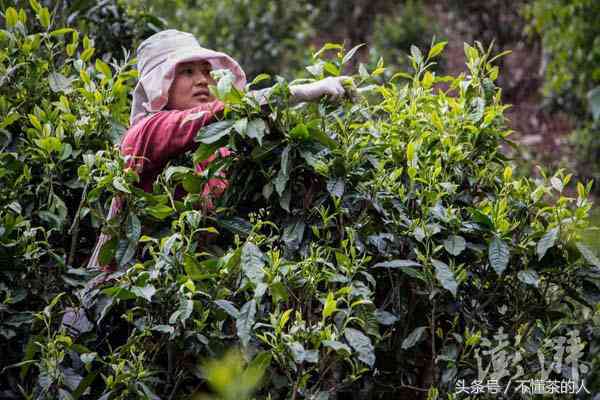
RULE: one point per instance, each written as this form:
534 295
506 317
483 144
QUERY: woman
171 102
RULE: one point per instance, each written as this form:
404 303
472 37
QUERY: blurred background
551 77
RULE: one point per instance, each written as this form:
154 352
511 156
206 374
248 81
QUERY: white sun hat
157 58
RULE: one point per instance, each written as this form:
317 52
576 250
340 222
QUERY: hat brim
163 75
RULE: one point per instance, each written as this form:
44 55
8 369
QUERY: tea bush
371 245
57 108
115 26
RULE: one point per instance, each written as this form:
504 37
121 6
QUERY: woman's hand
334 87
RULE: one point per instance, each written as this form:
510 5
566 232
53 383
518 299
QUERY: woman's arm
150 143
331 86
156 139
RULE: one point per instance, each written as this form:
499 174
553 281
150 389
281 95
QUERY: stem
411 292
324 372
433 374
74 229
54 12
295 388
414 388
177 382
169 194
170 359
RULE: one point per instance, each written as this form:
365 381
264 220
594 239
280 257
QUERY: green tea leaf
59 82
241 125
61 31
256 130
498 255
50 144
145 292
236 225
326 47
298 352
228 307
284 319
195 269
245 321
478 108
529 277
176 171
283 175
331 68
361 344
160 211
316 69
107 251
337 346
594 100
44 17
206 150
259 78
416 54
397 264
125 251
87 54
215 131
414 337
182 313
445 276
285 199
120 184
588 254
225 84
455 244
348 56
134 227
386 318
252 262
103 68
193 183
436 49
546 242
336 187
300 132
11 17
321 137
330 305
163 328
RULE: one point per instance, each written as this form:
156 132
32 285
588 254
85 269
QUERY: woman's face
190 85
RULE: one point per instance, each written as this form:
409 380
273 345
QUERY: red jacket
156 139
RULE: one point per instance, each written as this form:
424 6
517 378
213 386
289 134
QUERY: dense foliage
283 34
570 37
571 41
115 26
395 32
263 36
370 245
57 108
